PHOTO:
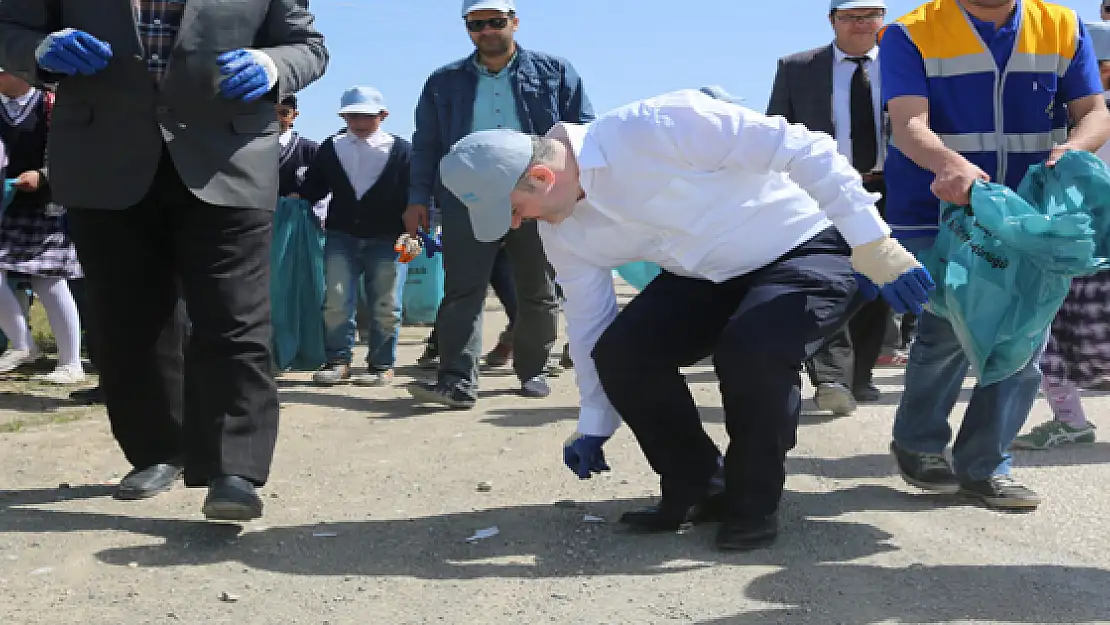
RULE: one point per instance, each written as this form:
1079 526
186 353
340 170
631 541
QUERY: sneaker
835 398
499 356
64 375
16 358
430 358
335 373
450 396
374 378
536 388
1053 434
926 471
1002 492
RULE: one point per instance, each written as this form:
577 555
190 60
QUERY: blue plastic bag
1004 267
297 286
423 289
639 273
9 193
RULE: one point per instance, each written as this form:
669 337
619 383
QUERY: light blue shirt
494 104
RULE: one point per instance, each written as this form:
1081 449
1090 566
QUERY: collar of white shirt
378 139
589 157
840 56
21 100
285 137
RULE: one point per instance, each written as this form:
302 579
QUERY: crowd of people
787 239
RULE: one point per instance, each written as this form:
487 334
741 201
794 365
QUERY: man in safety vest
975 90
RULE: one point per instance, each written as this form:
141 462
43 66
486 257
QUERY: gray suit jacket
803 89
108 129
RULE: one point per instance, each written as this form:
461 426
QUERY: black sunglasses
496 23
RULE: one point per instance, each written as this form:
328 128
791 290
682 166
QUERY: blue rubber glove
910 292
249 74
72 52
9 193
583 455
866 288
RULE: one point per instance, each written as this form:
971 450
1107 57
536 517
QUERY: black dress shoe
90 396
148 481
747 534
231 498
668 517
867 394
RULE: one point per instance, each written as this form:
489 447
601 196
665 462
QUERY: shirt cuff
598 422
267 64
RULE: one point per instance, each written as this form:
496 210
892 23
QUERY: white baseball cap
836 5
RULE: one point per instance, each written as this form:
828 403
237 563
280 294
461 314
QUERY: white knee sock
61 310
12 320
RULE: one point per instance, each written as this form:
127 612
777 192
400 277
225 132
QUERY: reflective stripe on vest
984 63
1019 143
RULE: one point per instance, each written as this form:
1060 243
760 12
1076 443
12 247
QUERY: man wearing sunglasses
500 85
1105 11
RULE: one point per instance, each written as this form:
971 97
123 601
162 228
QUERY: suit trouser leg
138 344
537 315
868 329
833 362
673 322
467 266
220 258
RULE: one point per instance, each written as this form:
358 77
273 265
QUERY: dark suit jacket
108 130
803 89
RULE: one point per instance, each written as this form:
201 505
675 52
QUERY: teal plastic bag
297 286
423 290
9 193
1004 267
639 274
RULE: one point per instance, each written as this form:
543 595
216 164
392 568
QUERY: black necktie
865 141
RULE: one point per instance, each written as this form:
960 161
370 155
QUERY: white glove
883 261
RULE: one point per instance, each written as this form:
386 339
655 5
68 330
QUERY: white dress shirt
843 69
704 188
285 137
363 159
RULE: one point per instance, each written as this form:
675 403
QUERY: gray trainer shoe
835 398
334 373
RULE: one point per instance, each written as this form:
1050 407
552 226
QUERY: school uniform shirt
704 188
363 159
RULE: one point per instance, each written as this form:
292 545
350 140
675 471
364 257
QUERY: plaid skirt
1078 349
36 244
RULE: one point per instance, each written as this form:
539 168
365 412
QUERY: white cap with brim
505 6
1100 38
842 5
482 169
361 100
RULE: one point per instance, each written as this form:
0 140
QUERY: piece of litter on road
227 597
484 487
133 565
42 571
589 518
483 534
324 534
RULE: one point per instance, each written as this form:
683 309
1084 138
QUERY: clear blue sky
623 49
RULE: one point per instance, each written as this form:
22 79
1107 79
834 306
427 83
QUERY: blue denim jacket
546 88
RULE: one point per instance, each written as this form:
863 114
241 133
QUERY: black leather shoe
231 498
747 534
90 396
148 481
667 517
